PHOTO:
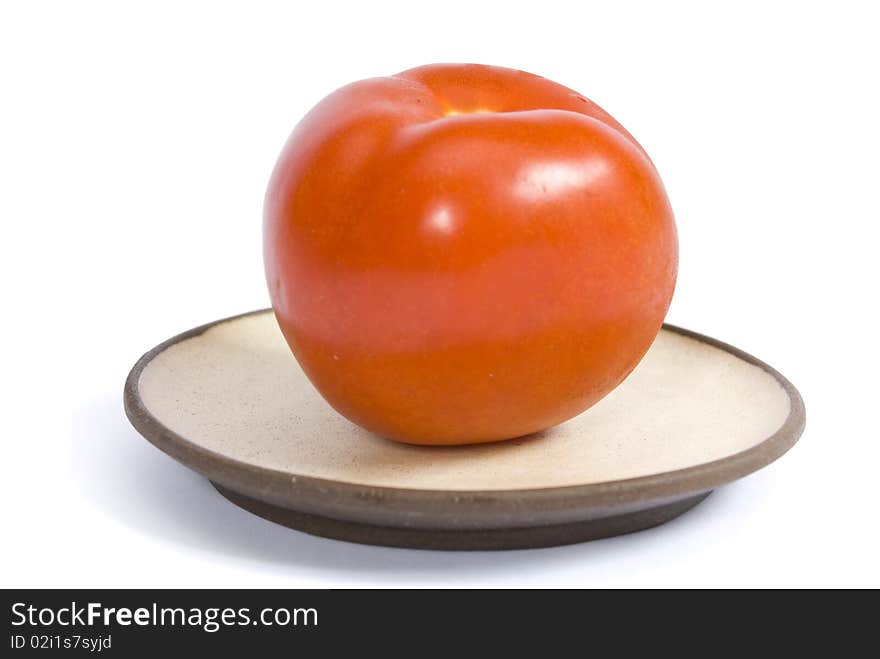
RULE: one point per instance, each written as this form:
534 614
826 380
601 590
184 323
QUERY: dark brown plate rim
419 507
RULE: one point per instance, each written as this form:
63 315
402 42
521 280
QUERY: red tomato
463 253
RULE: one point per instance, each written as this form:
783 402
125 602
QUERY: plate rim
347 499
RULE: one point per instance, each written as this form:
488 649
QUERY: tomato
464 253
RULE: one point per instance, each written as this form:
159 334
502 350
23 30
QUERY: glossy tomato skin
463 253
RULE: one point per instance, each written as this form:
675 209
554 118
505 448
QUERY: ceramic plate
229 400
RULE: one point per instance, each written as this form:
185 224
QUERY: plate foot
466 539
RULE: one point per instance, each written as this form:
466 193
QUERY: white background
135 146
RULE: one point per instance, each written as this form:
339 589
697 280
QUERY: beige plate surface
230 401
